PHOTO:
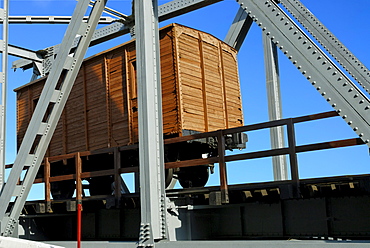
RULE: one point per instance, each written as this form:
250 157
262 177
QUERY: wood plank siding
200 88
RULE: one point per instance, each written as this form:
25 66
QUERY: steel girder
277 139
331 43
4 82
151 159
42 125
328 79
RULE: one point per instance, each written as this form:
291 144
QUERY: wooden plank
86 125
78 168
47 184
107 101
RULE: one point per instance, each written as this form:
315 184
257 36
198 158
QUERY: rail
291 150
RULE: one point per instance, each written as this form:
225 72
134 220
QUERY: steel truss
47 114
331 82
4 15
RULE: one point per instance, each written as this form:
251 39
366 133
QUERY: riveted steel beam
327 78
330 42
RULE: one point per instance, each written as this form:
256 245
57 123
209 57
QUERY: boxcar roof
121 45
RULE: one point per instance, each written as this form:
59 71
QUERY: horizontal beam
24 53
180 7
52 19
116 29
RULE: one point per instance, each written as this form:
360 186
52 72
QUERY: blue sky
348 20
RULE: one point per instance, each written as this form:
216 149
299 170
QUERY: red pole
79 209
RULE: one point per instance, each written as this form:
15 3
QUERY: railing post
222 166
47 184
117 176
293 158
78 164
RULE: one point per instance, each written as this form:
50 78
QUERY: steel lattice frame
351 103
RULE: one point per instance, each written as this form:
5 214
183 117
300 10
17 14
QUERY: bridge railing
291 150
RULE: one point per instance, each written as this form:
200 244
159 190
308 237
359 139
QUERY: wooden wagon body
200 87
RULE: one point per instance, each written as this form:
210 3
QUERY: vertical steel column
274 107
222 167
293 158
3 81
152 194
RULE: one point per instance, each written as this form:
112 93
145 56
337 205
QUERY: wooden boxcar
200 87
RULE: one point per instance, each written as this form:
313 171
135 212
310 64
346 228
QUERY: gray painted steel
238 29
4 82
339 91
53 19
331 43
152 188
223 244
279 163
24 53
40 129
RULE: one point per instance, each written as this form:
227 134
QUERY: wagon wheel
194 176
101 185
62 189
168 177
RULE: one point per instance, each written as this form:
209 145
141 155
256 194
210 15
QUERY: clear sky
348 20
